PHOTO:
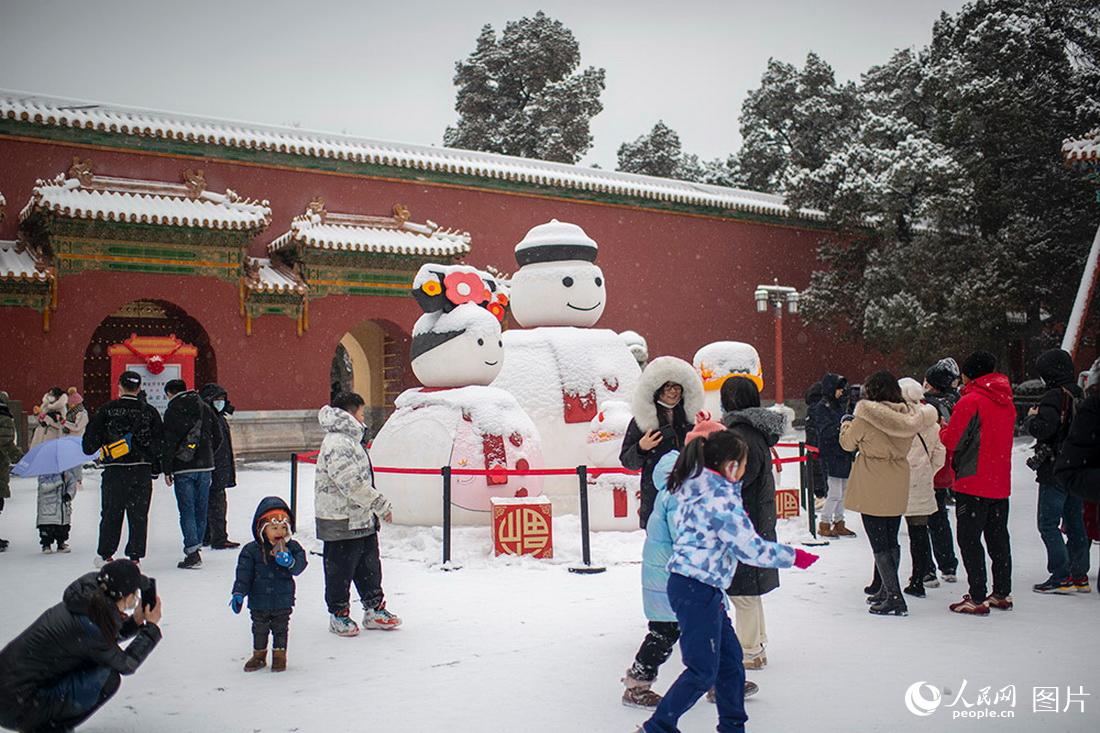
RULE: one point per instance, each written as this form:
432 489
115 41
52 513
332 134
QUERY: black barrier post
807 487
447 564
294 484
586 567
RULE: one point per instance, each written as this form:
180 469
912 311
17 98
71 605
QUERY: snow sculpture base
465 428
523 527
562 377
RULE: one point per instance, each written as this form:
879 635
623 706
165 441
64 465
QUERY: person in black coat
191 438
1049 423
265 575
827 415
224 475
127 486
666 400
817 470
760 429
941 382
1078 464
67 664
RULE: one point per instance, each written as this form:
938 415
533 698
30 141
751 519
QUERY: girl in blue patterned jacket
713 534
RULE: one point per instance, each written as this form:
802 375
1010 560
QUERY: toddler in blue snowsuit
265 574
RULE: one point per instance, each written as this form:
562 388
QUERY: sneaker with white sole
380 619
950 578
47 549
1082 584
342 625
193 561
63 548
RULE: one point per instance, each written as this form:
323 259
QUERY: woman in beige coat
926 457
882 432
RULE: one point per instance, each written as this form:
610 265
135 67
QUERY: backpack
185 453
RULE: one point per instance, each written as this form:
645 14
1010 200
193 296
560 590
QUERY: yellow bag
114 451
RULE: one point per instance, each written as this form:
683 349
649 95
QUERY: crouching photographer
67 664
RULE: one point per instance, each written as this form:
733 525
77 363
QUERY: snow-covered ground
523 645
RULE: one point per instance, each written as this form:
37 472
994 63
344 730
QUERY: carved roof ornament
400 213
195 181
251 269
81 170
317 206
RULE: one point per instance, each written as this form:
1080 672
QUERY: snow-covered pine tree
792 122
950 202
521 93
659 153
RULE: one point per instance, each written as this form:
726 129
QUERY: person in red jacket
979 437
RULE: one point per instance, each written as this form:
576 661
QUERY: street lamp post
775 296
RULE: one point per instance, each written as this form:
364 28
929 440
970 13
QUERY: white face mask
219 405
131 602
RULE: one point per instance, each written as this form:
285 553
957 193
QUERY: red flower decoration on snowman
466 287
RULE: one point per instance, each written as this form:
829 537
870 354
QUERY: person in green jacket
9 453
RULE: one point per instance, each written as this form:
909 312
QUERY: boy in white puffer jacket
348 507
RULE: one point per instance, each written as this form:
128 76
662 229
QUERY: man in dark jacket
668 395
1049 423
979 439
67 664
1077 466
827 415
817 470
9 453
224 475
760 429
941 391
127 486
191 438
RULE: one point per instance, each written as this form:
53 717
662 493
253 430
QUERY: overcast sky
384 69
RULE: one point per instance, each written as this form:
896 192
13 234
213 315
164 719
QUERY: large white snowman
560 369
456 419
613 499
717 362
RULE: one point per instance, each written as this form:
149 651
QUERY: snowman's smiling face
474 356
571 293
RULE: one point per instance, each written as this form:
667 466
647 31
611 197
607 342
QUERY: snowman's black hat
556 241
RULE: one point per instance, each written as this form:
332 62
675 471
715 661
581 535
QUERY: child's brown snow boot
258 660
278 660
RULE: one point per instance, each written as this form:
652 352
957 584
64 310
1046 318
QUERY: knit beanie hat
942 374
75 397
703 429
979 364
120 578
278 516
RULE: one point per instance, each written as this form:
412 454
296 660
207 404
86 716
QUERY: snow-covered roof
17 263
80 194
3 203
120 120
1086 148
263 276
395 234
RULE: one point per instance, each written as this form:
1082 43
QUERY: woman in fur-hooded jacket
882 431
657 404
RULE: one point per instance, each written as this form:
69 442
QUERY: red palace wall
681 281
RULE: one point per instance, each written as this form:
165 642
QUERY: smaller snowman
613 499
638 346
721 360
456 419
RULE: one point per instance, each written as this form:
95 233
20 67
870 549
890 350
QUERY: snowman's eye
481 342
500 344
567 282
599 281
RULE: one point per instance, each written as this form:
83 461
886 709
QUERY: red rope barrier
311 457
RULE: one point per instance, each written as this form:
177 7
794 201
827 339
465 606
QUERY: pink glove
702 416
803 559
